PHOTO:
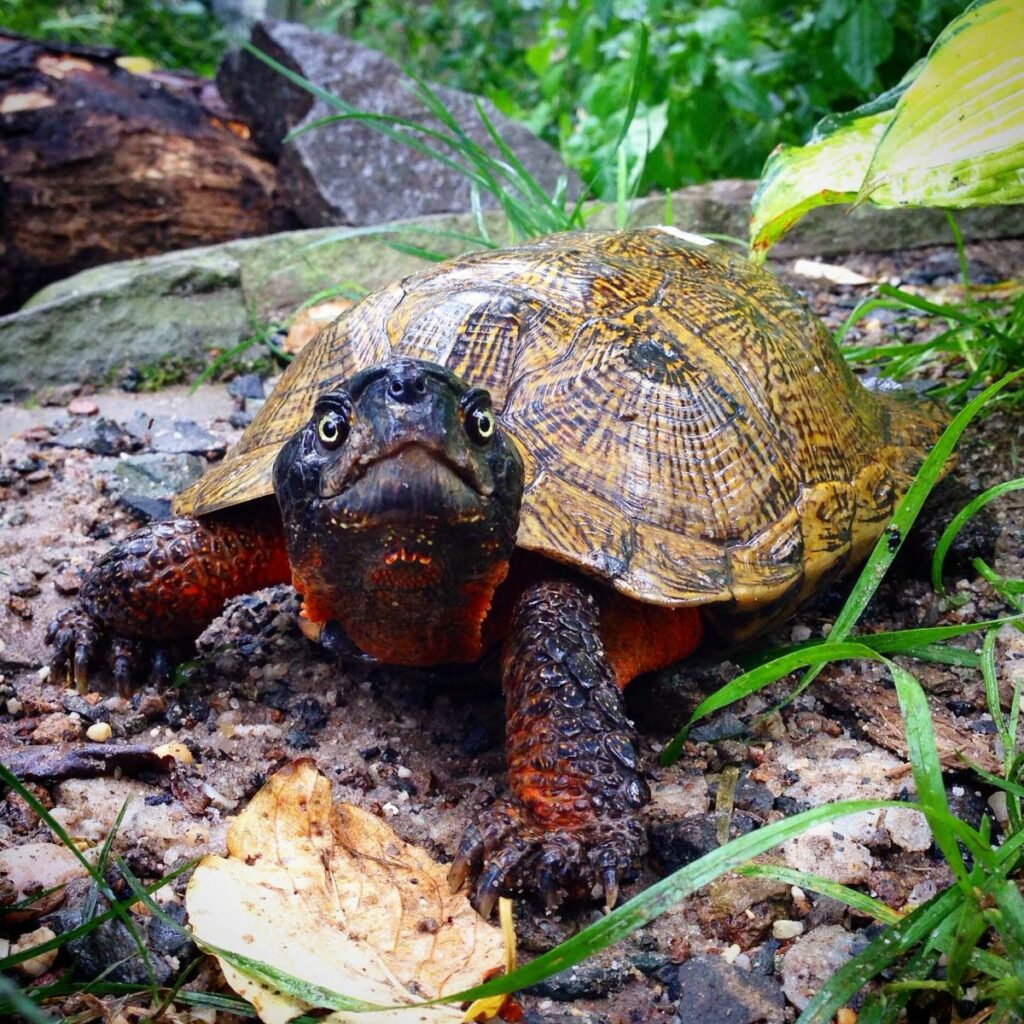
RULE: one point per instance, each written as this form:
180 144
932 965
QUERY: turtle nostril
407 384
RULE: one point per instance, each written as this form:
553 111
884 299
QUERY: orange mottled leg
156 591
571 826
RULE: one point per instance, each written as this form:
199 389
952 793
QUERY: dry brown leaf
309 322
333 896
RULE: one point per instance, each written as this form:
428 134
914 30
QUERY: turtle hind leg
571 826
145 601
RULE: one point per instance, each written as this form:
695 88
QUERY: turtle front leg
145 601
571 827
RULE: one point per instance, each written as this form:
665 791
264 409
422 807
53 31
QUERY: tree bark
98 164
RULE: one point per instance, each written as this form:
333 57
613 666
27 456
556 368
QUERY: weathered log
99 164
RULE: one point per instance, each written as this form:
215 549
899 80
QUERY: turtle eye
480 424
332 429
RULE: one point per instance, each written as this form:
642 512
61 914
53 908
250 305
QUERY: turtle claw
79 643
511 851
468 860
610 887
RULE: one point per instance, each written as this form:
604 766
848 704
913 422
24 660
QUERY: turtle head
400 500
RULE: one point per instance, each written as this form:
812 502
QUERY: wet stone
154 475
173 436
99 436
246 385
584 981
299 739
145 509
109 950
710 989
722 726
310 713
678 842
814 958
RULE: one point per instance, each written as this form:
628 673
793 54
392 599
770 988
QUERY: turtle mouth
412 482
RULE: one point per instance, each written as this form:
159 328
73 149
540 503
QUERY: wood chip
877 710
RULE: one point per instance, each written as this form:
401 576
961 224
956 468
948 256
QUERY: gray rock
679 842
348 173
139 311
173 435
709 989
145 509
814 958
99 436
588 980
246 385
152 475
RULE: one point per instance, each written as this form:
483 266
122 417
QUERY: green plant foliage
952 134
723 82
182 35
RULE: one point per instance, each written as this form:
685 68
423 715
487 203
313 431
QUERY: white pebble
38 964
14 706
783 930
997 801
729 955
99 732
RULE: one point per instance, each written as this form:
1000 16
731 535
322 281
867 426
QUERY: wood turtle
594 449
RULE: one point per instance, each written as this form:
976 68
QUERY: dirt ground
424 749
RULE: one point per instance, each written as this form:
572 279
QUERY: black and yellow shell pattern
691 434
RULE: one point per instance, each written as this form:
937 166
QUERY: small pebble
14 706
178 751
82 406
783 930
99 732
38 964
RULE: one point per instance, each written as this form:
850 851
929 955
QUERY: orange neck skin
409 617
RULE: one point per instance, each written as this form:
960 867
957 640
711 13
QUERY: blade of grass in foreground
957 522
855 900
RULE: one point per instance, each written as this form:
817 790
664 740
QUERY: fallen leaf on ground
332 896
309 322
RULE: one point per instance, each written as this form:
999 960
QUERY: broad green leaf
797 179
957 134
862 42
950 135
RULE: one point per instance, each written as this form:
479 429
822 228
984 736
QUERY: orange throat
404 614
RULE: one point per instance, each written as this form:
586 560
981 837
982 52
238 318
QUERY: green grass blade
893 943
758 678
22 1004
957 522
855 900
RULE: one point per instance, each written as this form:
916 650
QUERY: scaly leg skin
571 827
145 601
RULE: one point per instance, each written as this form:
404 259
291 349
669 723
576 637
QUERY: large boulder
348 173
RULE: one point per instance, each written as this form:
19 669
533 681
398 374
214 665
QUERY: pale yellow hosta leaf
797 179
950 135
331 896
957 133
